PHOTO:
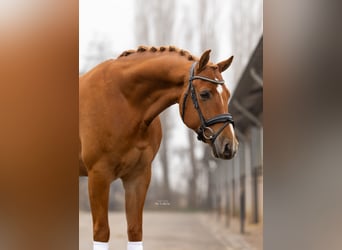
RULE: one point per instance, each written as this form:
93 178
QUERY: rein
205 131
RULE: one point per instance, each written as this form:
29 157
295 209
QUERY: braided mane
142 49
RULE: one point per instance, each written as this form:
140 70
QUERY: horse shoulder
150 136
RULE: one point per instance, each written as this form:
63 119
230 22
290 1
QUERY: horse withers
120 132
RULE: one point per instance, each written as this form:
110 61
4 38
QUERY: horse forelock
165 49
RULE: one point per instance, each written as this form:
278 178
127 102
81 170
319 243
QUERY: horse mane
173 49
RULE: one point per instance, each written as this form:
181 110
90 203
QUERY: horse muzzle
225 148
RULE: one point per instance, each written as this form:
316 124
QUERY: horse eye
205 95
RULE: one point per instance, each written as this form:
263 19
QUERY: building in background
237 185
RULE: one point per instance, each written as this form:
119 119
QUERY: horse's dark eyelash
205 94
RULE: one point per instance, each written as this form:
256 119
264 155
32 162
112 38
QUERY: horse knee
134 233
101 233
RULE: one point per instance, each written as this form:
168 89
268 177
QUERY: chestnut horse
120 131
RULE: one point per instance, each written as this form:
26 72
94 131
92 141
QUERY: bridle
204 131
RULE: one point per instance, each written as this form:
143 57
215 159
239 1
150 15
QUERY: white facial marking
235 144
220 89
231 128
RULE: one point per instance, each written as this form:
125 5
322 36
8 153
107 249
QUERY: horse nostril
227 150
227 147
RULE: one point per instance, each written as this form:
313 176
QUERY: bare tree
209 204
192 191
206 19
154 22
207 39
163 20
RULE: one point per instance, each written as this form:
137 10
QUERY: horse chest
134 159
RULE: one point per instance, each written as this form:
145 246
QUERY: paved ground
175 231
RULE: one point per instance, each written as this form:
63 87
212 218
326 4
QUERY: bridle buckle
208 133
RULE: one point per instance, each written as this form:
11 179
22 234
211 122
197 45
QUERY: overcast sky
108 20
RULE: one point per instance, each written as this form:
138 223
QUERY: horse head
204 106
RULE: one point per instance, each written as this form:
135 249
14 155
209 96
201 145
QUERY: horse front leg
98 185
135 193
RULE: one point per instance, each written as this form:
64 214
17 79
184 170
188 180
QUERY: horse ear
204 60
225 64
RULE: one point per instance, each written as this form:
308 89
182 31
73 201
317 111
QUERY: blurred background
228 195
302 140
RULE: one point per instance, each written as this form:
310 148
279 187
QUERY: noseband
205 131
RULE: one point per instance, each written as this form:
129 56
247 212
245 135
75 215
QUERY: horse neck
156 83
